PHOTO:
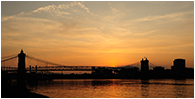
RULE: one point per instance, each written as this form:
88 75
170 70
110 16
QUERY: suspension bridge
9 64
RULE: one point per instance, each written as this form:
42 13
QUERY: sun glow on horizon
99 33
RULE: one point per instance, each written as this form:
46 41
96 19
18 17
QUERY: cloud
46 8
145 33
56 9
44 33
166 16
12 16
81 32
59 10
114 10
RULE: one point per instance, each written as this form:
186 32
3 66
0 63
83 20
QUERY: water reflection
114 88
144 88
32 85
179 88
101 83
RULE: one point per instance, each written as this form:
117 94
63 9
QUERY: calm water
115 88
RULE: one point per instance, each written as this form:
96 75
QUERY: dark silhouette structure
179 69
21 73
20 91
179 65
43 72
158 68
144 65
144 69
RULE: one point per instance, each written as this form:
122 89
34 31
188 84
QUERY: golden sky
99 33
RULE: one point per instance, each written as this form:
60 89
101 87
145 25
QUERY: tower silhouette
144 65
21 73
144 68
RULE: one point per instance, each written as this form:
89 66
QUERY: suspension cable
134 63
155 63
9 58
40 60
152 65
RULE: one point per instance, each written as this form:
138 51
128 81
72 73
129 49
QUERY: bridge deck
55 70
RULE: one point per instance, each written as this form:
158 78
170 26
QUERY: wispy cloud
10 17
114 10
166 16
46 8
145 33
56 10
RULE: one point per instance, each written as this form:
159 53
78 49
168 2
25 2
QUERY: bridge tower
21 73
144 69
144 65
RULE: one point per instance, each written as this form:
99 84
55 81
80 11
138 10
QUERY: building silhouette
178 65
158 68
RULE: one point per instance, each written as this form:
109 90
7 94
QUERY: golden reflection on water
145 88
180 91
116 88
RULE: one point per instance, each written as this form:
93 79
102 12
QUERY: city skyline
99 33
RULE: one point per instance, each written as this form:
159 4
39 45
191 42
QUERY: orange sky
99 33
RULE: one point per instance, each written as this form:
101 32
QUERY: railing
60 68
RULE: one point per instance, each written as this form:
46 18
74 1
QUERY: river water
115 88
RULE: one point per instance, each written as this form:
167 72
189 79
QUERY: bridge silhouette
27 63
9 64
29 66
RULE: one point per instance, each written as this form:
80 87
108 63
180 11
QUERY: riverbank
12 91
9 91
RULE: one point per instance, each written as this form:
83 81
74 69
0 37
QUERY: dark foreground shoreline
13 91
9 91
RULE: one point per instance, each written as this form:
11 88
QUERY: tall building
178 64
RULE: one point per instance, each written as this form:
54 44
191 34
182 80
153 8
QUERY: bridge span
50 66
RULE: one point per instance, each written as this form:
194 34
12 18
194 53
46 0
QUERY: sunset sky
99 33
